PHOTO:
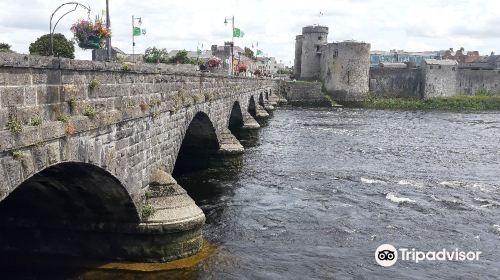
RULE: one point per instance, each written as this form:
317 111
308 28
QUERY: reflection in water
322 189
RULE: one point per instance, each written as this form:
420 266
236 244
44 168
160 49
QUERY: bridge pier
261 113
229 145
268 107
249 123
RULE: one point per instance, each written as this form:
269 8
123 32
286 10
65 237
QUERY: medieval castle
344 70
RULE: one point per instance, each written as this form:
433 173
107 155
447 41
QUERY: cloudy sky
413 25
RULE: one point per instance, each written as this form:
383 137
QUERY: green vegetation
249 53
180 58
93 84
14 125
72 104
485 92
155 102
62 46
89 111
147 211
452 103
286 71
17 155
36 120
125 67
4 47
156 55
63 118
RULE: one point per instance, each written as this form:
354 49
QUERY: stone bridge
88 150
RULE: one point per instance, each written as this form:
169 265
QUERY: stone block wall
392 82
127 119
469 81
439 80
303 93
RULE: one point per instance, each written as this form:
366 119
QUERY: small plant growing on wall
72 104
89 111
63 118
125 67
94 84
14 125
155 102
147 211
17 155
36 120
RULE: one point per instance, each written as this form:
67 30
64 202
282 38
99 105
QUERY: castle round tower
298 56
345 70
313 37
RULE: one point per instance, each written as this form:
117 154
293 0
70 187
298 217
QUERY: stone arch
199 145
252 108
235 121
70 191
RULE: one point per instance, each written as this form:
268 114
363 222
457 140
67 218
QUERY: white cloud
386 24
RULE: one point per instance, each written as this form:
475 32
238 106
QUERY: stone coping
14 60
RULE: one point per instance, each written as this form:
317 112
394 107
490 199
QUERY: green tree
156 55
4 47
249 53
180 57
62 46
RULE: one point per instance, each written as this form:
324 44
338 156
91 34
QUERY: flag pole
232 49
133 39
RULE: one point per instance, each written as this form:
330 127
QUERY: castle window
431 67
439 67
348 77
336 53
320 37
453 69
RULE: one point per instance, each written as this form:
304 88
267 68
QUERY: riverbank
452 103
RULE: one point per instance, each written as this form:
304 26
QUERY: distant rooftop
448 62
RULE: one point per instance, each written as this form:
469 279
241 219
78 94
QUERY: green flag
136 31
238 33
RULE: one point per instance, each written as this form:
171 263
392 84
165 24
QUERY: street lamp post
231 70
108 25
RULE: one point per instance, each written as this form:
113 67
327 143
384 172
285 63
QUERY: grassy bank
453 103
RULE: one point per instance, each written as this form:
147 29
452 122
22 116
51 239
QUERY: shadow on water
37 267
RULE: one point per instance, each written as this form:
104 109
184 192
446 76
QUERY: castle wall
345 68
392 82
470 81
298 56
304 93
439 80
313 38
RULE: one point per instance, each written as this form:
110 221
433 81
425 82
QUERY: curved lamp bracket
53 28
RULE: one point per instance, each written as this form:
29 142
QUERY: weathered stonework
128 121
300 93
342 67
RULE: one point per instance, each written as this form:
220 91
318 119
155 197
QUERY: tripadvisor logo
387 255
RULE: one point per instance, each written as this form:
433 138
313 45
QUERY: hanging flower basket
242 68
90 34
90 43
214 62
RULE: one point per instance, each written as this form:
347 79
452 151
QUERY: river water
320 189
